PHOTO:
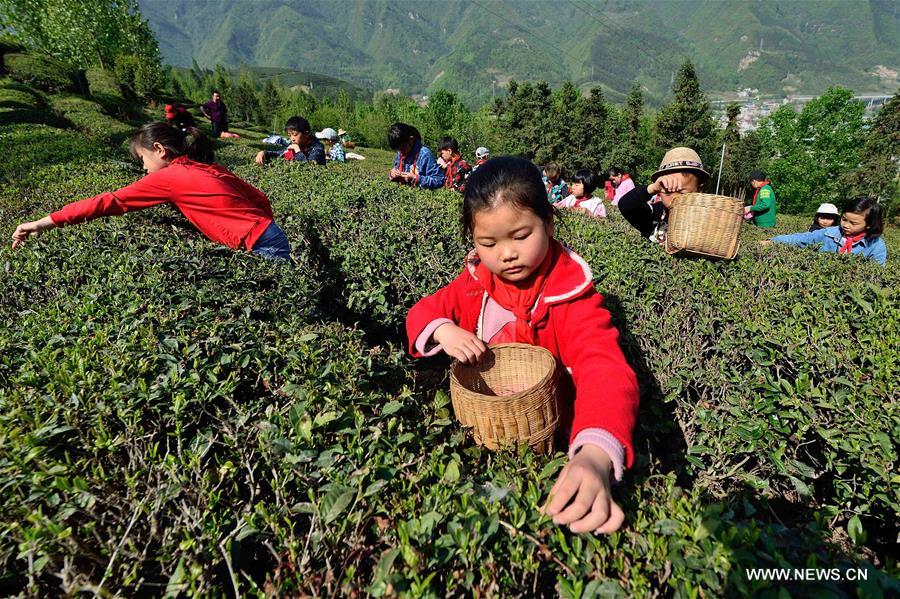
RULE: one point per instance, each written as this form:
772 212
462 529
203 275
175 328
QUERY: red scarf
756 193
849 242
582 199
412 165
451 170
519 300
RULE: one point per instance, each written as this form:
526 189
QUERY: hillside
473 48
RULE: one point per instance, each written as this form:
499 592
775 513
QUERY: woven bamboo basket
510 397
705 224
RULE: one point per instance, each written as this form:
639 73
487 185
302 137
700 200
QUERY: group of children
304 146
517 284
416 166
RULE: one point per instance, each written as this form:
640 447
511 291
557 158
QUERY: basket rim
515 396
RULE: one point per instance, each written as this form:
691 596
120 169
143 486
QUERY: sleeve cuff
607 442
422 345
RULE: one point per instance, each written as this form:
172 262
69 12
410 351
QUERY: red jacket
572 323
224 207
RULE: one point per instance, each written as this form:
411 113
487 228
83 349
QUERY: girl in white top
582 199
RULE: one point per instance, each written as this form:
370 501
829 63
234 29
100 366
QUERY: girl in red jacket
519 284
180 172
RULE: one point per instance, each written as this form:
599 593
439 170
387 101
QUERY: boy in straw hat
646 208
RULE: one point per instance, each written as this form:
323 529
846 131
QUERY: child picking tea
519 284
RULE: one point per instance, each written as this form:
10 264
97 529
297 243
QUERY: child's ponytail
191 142
198 147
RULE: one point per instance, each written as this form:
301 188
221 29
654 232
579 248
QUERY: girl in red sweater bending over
180 172
519 284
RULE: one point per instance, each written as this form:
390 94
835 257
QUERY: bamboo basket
705 224
509 397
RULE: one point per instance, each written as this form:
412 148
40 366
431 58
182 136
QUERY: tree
687 120
244 103
270 101
592 136
633 146
813 149
562 122
878 174
107 33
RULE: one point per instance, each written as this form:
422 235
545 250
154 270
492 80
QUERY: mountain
474 48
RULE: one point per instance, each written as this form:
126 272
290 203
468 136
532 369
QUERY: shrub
43 72
102 81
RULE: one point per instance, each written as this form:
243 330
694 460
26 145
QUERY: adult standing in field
764 207
415 164
181 172
217 114
646 208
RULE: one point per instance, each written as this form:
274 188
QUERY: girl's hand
459 343
585 482
765 242
260 157
32 229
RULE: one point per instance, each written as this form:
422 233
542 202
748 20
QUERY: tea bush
178 418
43 72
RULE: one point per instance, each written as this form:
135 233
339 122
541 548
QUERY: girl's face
577 189
853 223
827 220
511 241
446 154
153 159
551 179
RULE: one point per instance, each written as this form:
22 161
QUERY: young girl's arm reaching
606 405
433 325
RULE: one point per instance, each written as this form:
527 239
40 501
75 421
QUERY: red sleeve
143 193
606 389
445 303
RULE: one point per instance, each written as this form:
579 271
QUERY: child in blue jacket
859 232
415 164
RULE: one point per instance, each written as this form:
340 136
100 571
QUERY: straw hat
679 160
341 132
828 209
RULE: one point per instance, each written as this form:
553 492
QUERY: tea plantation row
177 418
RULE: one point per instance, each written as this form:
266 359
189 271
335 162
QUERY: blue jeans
273 244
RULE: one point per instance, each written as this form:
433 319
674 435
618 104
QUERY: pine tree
592 135
270 102
687 120
632 146
878 174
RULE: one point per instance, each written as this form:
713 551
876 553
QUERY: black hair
505 179
869 207
399 133
191 142
587 178
553 171
757 176
298 124
448 143
815 226
614 171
